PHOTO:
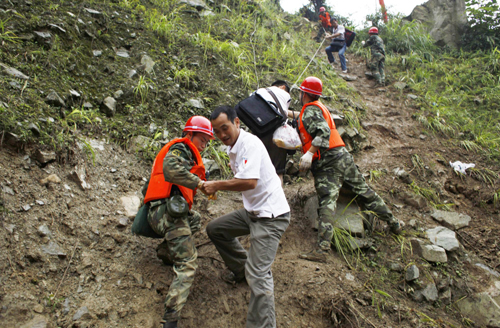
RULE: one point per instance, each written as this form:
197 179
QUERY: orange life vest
325 20
335 139
159 188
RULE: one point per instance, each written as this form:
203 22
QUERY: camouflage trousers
182 252
377 66
337 169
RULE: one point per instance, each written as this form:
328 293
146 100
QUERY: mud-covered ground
103 276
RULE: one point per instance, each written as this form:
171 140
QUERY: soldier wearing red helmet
177 173
331 165
325 25
377 62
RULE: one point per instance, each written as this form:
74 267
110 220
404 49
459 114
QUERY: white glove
363 42
306 161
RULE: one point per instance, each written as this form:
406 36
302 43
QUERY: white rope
310 61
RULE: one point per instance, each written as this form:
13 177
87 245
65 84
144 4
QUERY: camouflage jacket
316 125
376 44
177 164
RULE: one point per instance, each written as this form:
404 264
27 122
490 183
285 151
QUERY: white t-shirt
340 29
249 160
283 97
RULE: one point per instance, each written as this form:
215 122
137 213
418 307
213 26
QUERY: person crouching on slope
331 165
177 173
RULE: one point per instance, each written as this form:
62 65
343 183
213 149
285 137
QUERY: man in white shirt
338 44
265 215
282 92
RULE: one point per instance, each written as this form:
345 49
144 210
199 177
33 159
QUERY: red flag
384 11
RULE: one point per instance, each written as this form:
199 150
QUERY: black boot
170 324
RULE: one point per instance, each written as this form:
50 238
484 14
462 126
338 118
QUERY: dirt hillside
69 259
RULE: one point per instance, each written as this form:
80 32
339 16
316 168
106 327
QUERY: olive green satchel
141 226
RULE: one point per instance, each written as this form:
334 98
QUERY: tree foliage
483 31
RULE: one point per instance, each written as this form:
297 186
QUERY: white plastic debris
461 167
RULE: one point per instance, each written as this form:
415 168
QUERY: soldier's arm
176 166
316 125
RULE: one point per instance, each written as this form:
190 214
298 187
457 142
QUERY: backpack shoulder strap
277 102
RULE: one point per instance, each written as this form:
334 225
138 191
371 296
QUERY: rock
26 207
54 100
38 321
403 175
414 200
53 249
148 63
139 143
360 243
44 231
396 267
196 103
488 269
93 12
138 277
57 27
198 4
443 237
39 202
97 53
433 253
13 72
348 77
211 165
430 293
9 227
445 20
122 52
152 128
412 273
7 190
445 296
452 220
132 73
87 105
131 205
15 85
51 178
118 94
482 309
34 129
78 175
348 215
400 85
82 313
38 308
123 222
108 106
413 97
66 306
44 157
12 139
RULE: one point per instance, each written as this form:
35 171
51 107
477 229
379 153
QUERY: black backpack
349 37
261 117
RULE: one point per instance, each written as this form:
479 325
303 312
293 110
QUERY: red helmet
322 9
312 85
373 30
199 124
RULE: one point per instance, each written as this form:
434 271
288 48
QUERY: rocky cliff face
446 20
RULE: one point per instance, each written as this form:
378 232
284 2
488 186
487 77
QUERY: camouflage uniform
334 168
377 62
179 247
